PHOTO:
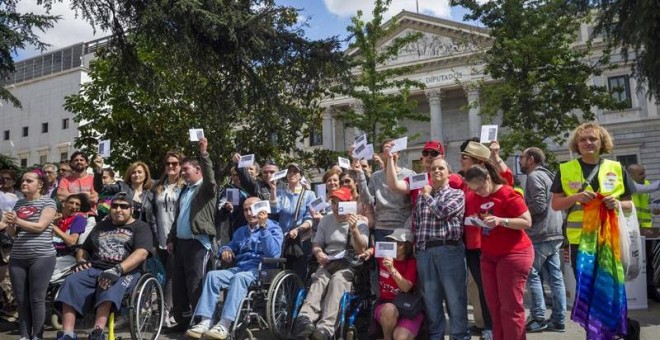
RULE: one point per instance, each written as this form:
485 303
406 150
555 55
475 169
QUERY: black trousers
473 259
190 264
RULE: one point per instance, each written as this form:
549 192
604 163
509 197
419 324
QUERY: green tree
632 26
541 79
18 31
371 83
241 70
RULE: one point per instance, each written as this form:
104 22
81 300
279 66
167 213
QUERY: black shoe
320 334
535 326
303 327
555 327
97 334
62 336
475 330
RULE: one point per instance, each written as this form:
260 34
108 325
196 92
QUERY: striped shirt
439 216
29 245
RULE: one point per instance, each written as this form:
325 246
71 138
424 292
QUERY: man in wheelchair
109 263
338 238
261 237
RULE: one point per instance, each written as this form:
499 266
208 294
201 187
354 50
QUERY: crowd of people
456 227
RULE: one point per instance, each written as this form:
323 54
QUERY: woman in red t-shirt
398 275
506 251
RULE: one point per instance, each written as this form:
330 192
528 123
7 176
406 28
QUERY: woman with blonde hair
166 194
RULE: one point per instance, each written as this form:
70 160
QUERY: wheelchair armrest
272 260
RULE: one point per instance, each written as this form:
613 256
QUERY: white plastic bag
631 243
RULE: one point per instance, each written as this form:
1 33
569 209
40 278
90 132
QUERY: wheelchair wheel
146 309
55 321
280 303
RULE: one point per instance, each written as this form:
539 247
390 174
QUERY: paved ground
649 319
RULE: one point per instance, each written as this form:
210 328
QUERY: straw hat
478 151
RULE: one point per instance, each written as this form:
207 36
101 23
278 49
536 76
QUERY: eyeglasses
175 164
122 206
49 172
432 153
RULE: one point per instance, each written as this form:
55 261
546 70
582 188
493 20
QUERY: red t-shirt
504 203
472 234
388 287
76 185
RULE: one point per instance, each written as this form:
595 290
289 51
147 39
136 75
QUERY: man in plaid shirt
442 273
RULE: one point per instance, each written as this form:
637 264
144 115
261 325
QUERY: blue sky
325 18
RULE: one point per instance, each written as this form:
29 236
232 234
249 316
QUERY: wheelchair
143 306
269 302
354 317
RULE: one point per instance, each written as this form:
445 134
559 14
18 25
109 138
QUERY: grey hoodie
546 223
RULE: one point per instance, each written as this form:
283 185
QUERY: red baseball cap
434 145
342 194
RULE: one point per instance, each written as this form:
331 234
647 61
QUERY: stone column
474 119
328 129
435 104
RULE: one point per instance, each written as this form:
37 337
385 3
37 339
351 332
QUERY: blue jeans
237 281
547 262
442 275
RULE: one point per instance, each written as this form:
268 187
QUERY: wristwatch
506 222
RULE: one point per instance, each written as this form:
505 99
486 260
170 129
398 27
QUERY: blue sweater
249 246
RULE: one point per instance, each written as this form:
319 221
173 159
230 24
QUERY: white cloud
67 31
348 8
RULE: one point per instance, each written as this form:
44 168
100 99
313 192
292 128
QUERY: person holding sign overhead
192 232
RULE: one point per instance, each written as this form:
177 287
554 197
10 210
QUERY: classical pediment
441 39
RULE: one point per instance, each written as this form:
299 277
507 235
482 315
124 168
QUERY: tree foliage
384 93
541 88
241 70
18 31
634 26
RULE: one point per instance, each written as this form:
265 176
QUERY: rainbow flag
600 299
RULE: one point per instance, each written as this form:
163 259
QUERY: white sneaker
217 332
197 331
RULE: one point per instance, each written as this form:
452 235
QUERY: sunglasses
432 153
122 206
171 163
347 181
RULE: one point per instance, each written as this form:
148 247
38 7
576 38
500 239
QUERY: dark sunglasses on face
433 153
174 164
122 206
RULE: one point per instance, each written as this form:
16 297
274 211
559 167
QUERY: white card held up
233 196
279 174
344 163
321 190
385 249
246 161
104 148
196 134
368 152
260 206
476 222
399 145
347 208
318 204
360 140
359 151
418 181
488 133
303 181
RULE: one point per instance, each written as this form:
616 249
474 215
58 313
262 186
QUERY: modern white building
43 131
447 62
